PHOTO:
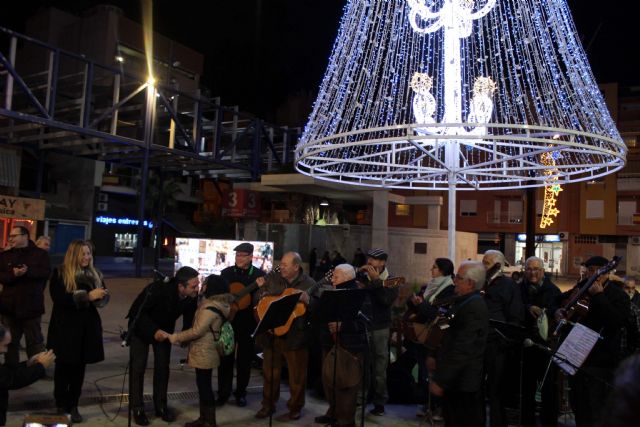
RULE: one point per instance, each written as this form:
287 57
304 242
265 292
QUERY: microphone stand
364 320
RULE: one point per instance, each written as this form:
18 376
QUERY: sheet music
575 348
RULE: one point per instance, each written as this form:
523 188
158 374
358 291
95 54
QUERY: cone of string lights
458 95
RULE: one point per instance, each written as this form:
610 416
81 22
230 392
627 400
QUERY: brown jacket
203 353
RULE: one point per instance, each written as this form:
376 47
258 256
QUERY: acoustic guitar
299 310
242 294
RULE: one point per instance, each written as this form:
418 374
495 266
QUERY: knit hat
184 274
377 253
215 285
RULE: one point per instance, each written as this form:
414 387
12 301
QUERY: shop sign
241 203
20 207
109 220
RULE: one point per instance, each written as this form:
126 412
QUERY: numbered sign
241 203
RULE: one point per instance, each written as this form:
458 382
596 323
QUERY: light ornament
458 95
551 190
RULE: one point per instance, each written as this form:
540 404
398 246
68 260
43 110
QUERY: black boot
199 422
209 415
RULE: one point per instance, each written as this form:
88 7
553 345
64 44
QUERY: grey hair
347 269
475 272
534 258
497 256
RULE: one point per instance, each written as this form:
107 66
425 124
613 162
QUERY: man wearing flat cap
378 304
242 274
152 318
607 315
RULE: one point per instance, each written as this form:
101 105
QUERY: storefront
549 248
19 211
117 235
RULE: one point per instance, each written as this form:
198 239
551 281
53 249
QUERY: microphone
530 343
364 317
160 276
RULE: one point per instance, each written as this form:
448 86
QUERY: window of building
403 210
468 207
515 211
595 209
626 209
419 248
586 238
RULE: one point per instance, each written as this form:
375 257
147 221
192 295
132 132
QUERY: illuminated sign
109 220
548 238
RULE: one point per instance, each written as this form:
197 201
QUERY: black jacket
607 315
504 302
378 302
460 358
161 310
243 320
543 295
17 377
75 328
23 297
351 335
427 312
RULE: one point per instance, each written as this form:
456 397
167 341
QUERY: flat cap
596 261
377 253
244 247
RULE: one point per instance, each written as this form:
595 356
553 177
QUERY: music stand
277 314
339 305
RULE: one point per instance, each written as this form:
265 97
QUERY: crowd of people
486 332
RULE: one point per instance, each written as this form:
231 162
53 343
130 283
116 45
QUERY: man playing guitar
243 273
293 346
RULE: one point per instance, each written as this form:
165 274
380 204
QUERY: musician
293 346
458 368
505 305
630 288
539 294
608 311
378 304
155 311
353 341
244 324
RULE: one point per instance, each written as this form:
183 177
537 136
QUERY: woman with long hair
75 328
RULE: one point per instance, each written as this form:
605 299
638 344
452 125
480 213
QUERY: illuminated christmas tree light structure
458 95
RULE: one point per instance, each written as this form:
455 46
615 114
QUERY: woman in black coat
75 329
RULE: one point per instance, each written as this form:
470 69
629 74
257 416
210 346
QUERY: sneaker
378 410
437 414
422 411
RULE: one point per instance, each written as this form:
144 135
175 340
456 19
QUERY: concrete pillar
380 220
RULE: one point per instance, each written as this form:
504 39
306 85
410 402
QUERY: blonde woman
75 328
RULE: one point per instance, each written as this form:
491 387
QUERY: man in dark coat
244 273
378 304
505 306
14 377
609 309
152 319
24 270
539 295
459 361
292 347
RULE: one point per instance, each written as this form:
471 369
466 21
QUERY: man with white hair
458 368
505 305
540 296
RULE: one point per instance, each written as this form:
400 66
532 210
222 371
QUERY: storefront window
125 243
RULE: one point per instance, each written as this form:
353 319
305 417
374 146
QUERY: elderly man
378 304
609 309
293 346
630 287
243 272
458 366
539 295
24 270
343 394
505 305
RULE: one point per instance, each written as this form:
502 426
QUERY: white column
379 220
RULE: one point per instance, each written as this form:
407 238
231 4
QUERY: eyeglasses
13 236
629 288
531 270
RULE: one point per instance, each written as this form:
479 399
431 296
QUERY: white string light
423 93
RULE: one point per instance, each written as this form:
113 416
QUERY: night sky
258 52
